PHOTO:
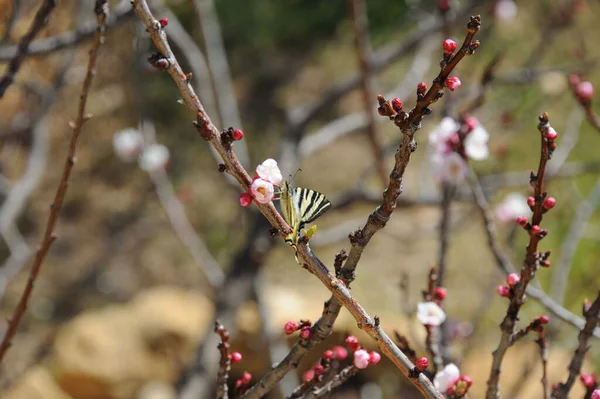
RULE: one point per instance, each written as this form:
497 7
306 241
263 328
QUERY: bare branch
39 21
344 375
225 362
101 10
592 317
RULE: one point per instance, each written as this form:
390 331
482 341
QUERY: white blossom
154 157
361 359
446 378
449 167
430 314
506 10
128 144
269 171
476 143
513 206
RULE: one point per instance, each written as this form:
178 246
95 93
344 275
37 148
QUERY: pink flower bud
308 375
596 394
574 79
422 363
245 199
341 353
397 104
503 290
236 357
422 87
531 202
522 221
552 135
444 5
468 380
328 355
544 319
237 134
535 230
246 378
449 46
352 342
318 369
440 293
290 327
164 21
513 279
588 380
471 122
585 91
549 202
361 359
453 83
374 358
305 332
238 383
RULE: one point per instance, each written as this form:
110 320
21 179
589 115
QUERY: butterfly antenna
294 176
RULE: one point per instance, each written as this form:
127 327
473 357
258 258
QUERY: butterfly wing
291 213
311 205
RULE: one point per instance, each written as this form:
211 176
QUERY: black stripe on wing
311 204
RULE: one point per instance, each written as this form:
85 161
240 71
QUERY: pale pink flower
596 394
154 157
513 206
446 378
361 359
128 144
262 191
476 143
449 167
439 137
453 83
430 314
506 10
585 91
269 171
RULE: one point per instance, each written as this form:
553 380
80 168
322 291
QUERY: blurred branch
15 8
39 21
344 375
583 213
219 71
360 23
351 123
101 10
592 317
43 46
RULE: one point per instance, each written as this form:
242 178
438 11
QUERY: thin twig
360 23
10 21
592 317
530 264
542 342
39 21
101 10
583 213
47 45
344 375
224 362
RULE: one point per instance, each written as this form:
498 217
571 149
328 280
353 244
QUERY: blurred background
126 300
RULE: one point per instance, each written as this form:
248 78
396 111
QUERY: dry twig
225 362
101 10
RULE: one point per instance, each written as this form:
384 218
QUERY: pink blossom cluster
453 144
262 188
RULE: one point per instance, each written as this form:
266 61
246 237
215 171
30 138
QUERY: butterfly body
299 207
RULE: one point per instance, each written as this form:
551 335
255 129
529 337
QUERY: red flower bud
471 123
513 279
246 378
318 369
290 327
397 104
308 375
574 79
444 5
341 353
449 46
503 290
588 380
422 363
552 135
585 91
237 134
522 221
328 355
422 87
453 83
374 358
535 230
440 293
305 332
236 357
352 342
549 202
164 21
245 199
531 202
544 319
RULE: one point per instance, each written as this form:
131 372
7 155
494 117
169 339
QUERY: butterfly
299 207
